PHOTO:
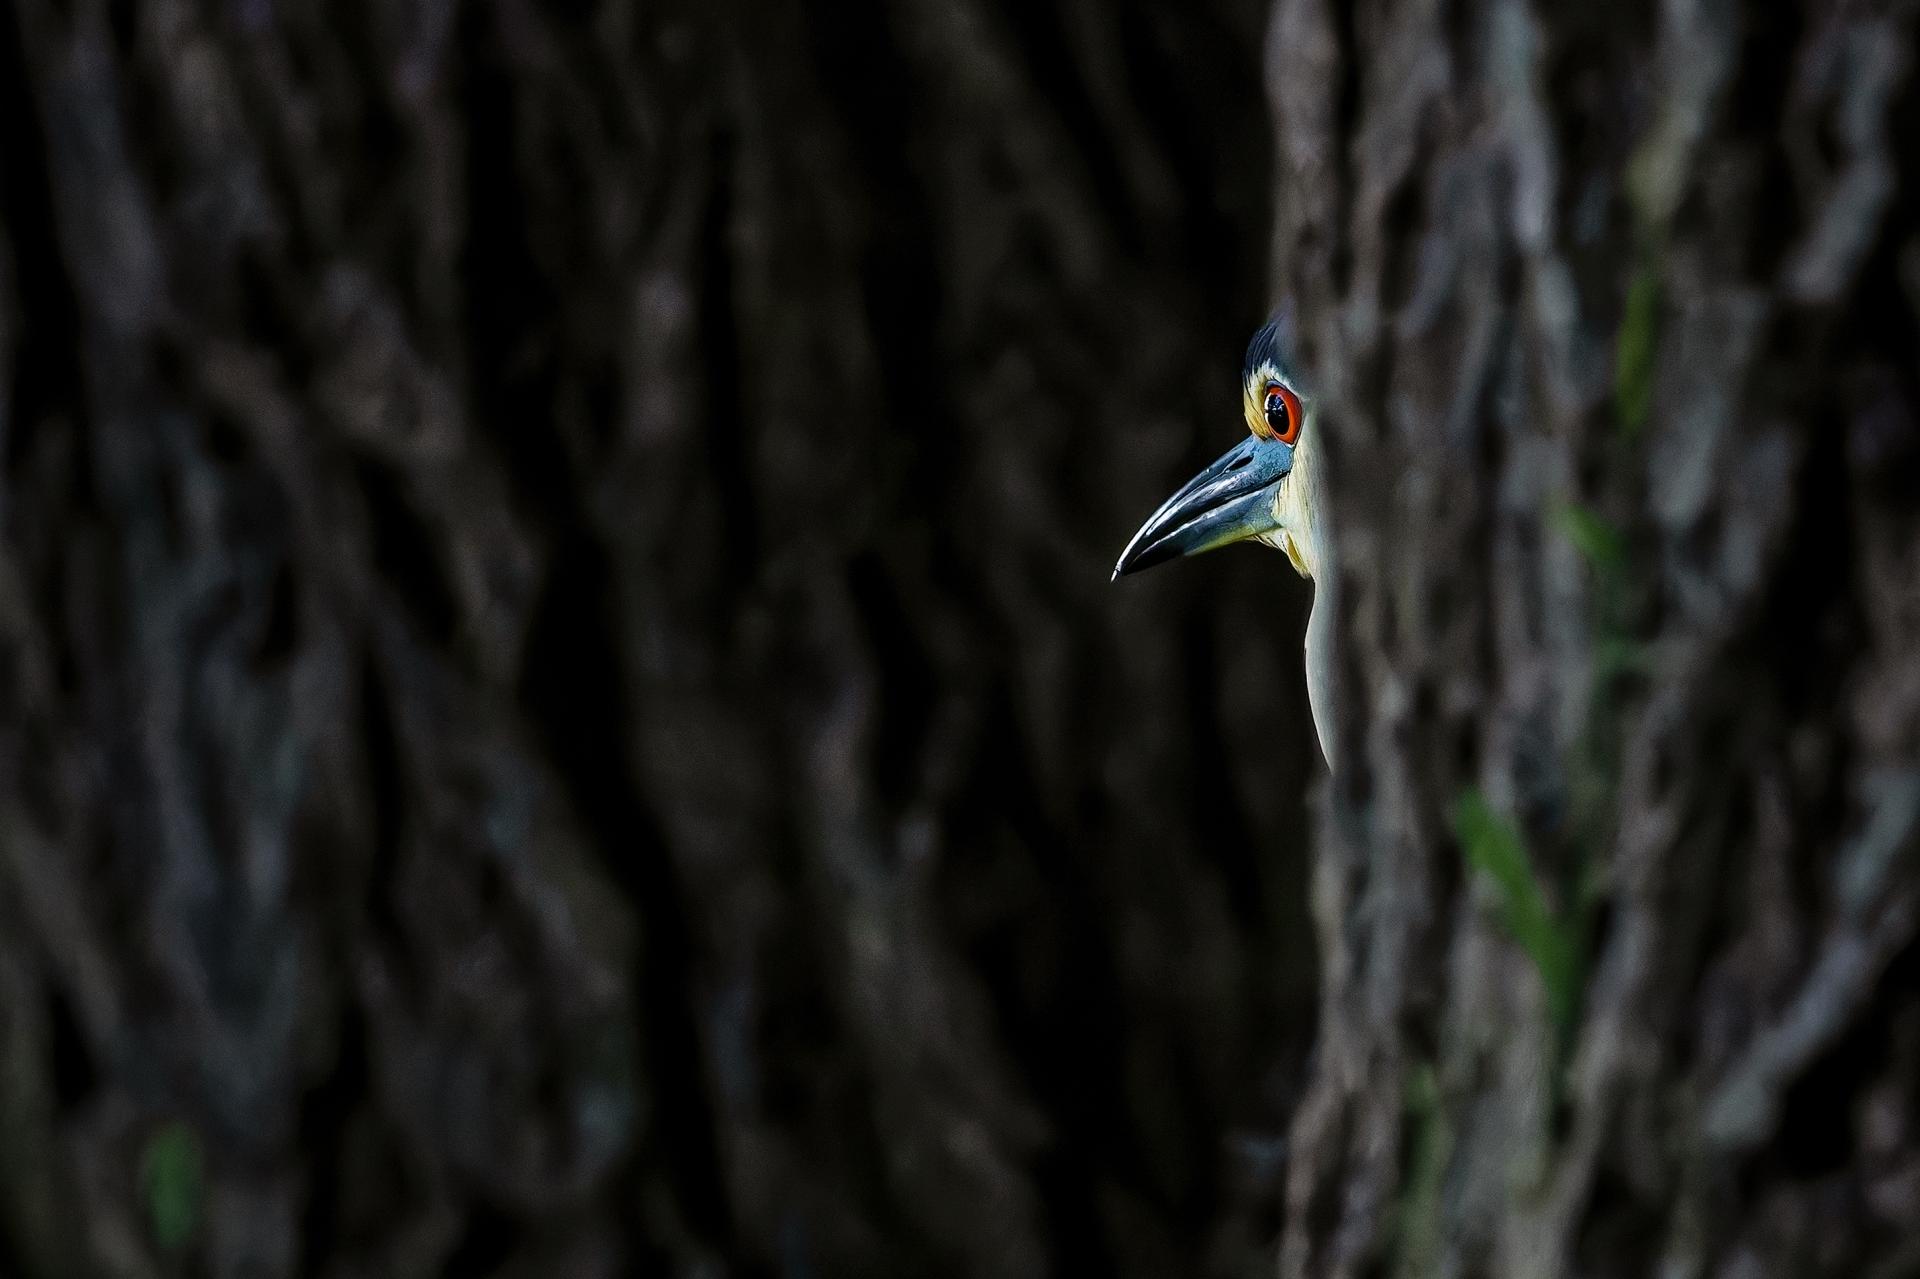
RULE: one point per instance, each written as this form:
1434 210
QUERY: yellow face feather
1292 502
1253 399
1262 384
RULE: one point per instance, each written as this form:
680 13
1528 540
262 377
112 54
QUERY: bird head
1256 489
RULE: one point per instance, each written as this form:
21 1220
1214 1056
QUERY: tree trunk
1614 316
565 714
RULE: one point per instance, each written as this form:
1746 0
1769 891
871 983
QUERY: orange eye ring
1283 413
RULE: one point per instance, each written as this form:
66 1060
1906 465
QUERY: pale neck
1304 514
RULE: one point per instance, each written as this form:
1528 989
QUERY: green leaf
1615 655
172 1175
1494 848
1634 350
1603 545
1419 1217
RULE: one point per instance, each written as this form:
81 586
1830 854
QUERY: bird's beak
1230 501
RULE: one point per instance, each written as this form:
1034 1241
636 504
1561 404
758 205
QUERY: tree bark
1614 316
565 714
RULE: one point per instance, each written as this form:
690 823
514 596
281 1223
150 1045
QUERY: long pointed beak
1230 501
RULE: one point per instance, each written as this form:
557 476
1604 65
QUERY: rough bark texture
1614 308
563 713
563 709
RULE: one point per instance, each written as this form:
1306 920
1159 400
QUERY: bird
1267 489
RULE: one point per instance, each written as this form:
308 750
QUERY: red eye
1283 413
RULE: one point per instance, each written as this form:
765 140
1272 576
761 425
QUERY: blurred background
563 715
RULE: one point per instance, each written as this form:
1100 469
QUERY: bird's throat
1299 511
1292 548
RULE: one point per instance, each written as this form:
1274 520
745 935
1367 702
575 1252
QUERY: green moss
1603 545
1493 847
1419 1217
1634 349
172 1178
